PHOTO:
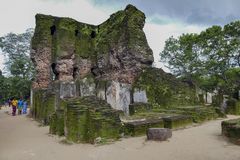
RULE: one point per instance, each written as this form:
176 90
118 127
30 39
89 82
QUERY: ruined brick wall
66 50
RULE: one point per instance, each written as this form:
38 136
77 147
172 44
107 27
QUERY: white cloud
17 16
157 34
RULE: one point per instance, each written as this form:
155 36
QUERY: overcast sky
164 17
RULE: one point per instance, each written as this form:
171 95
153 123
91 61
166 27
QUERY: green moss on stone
233 107
139 107
139 127
42 34
176 122
43 105
199 114
164 89
57 123
88 118
231 129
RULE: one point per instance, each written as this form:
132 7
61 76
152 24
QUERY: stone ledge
231 129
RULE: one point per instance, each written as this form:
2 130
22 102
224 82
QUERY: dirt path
22 139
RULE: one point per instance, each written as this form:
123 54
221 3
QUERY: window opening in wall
93 34
53 29
75 70
55 73
76 32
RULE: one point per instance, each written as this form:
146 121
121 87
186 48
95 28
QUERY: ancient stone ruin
98 81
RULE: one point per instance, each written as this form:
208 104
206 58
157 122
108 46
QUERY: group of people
20 105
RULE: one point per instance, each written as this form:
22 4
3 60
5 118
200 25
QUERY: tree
210 58
182 55
16 47
1 88
232 32
20 70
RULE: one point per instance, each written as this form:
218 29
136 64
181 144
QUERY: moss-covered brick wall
86 119
67 34
43 105
105 49
57 123
165 90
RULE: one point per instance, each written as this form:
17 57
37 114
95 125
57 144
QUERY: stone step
139 127
178 121
231 129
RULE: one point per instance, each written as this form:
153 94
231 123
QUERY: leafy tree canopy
18 66
210 59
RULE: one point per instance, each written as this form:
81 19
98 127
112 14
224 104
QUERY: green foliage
164 89
181 54
19 68
16 47
178 121
209 59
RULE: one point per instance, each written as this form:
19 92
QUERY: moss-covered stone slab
88 118
177 121
231 129
233 107
139 127
165 89
199 114
135 108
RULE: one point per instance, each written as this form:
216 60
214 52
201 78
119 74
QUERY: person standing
14 106
20 106
9 102
25 107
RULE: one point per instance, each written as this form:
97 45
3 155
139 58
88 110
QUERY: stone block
118 96
87 118
177 121
233 107
140 96
87 87
231 129
139 127
139 107
159 134
67 90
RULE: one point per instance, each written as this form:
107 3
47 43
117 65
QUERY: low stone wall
85 119
231 129
233 107
177 121
44 103
199 114
136 108
139 127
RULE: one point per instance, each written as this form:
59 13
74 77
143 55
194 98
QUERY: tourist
9 102
14 106
20 106
25 107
